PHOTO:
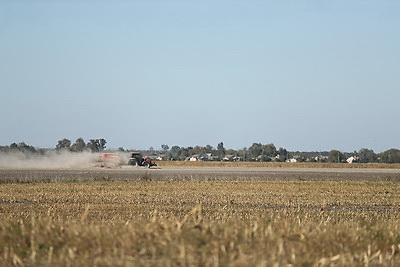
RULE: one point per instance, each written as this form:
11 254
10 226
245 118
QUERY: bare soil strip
196 173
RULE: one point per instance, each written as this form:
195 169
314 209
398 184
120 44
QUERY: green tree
184 153
270 150
335 156
208 149
255 151
79 145
103 143
23 147
174 153
390 156
63 144
165 148
97 145
366 155
198 150
14 146
220 150
93 145
283 154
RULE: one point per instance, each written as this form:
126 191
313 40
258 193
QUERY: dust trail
51 160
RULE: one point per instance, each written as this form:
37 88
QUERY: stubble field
200 216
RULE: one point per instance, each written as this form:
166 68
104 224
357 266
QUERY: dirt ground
196 173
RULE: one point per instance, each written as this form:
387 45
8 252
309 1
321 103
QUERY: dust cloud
49 160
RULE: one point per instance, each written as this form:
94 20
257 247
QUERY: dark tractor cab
137 159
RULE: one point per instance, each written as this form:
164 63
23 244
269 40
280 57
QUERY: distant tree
198 150
79 145
184 153
14 146
174 153
255 151
221 149
97 145
283 154
390 156
23 147
63 144
335 156
366 155
260 152
164 148
270 150
103 143
93 145
208 149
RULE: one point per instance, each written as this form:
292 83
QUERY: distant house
193 158
352 159
228 158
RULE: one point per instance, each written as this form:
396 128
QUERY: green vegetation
94 145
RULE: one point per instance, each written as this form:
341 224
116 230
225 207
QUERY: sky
306 75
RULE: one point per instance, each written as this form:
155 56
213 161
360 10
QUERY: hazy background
305 75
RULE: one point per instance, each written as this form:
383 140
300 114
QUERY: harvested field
200 216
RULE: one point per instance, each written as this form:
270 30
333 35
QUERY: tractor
137 159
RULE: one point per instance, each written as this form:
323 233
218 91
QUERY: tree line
268 152
94 145
255 152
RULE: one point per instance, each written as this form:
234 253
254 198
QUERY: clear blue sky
305 75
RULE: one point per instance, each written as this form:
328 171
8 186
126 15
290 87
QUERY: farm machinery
137 159
113 160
